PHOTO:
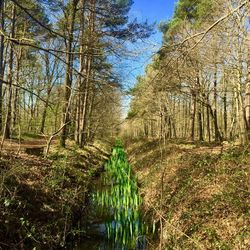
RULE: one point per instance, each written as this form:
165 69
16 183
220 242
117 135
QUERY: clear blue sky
153 11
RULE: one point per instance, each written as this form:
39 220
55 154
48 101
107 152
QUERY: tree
199 76
7 128
1 59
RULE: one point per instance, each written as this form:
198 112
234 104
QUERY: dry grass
41 201
205 202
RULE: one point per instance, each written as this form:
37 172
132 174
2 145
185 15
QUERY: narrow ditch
114 213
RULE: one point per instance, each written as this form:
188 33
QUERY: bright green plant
121 198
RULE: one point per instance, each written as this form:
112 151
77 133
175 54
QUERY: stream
115 220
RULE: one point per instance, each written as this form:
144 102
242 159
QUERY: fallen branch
51 138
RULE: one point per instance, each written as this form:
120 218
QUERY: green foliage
187 9
124 3
39 201
193 12
120 195
132 114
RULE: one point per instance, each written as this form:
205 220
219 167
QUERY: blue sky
153 11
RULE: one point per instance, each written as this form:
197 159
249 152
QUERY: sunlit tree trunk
80 80
225 116
208 119
68 73
248 107
200 124
16 100
87 88
7 128
247 98
217 135
1 61
193 115
48 89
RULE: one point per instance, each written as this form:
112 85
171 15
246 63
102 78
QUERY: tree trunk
186 115
16 96
200 125
225 112
44 113
1 61
7 129
68 75
90 134
85 108
200 112
80 83
217 135
193 115
87 88
49 77
208 120
247 98
56 114
248 107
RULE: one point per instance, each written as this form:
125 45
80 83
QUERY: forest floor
42 201
198 192
199 195
14 145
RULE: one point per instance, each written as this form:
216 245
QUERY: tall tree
1 60
70 15
7 128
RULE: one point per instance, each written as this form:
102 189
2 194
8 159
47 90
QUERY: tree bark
208 120
68 74
200 112
80 83
1 61
16 96
217 134
193 115
7 128
225 112
49 77
247 98
88 81
248 107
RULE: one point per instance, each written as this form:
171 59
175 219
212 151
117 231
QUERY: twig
25 89
52 136
180 231
217 22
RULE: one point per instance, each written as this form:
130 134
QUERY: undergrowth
41 201
205 202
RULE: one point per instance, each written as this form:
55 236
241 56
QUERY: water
115 219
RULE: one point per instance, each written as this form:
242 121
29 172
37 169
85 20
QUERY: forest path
27 145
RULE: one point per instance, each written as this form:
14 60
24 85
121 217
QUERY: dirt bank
43 200
199 196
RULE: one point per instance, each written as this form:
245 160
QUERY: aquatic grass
120 197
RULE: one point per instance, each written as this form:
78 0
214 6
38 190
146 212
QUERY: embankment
198 196
42 201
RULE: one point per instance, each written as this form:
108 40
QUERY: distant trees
197 87
60 76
